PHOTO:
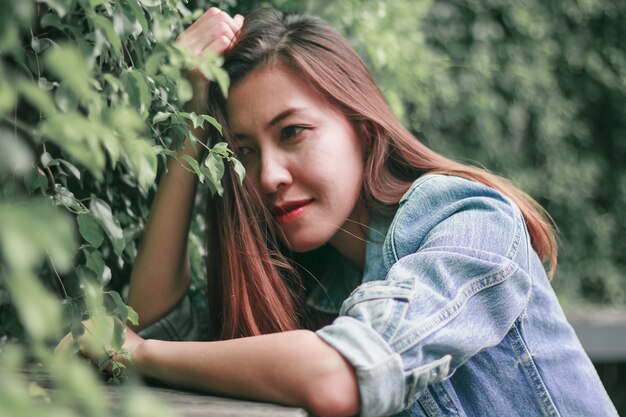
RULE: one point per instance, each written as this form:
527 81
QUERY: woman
420 279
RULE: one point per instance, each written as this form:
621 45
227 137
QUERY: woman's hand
96 343
214 31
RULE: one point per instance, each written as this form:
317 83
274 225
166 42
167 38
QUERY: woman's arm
160 276
293 368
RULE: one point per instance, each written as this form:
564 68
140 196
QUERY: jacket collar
342 277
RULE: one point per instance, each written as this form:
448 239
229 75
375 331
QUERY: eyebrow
283 115
277 119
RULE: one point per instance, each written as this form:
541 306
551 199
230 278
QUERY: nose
274 174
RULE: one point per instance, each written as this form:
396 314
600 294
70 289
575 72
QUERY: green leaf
133 317
222 80
37 391
75 172
137 13
121 309
66 99
160 150
154 62
68 63
15 156
184 90
63 196
160 117
221 148
35 180
37 97
94 260
142 159
214 171
32 230
137 89
119 330
213 122
51 20
114 82
151 3
59 6
35 44
194 166
8 98
102 212
77 329
78 137
39 311
195 119
44 84
113 148
113 38
239 169
90 229
198 121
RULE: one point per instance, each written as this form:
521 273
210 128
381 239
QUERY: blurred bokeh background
534 90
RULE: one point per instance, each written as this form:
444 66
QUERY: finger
210 31
230 21
212 18
213 42
220 45
192 29
238 20
213 11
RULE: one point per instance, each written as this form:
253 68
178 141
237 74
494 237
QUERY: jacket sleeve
456 283
186 321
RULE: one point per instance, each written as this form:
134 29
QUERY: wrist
140 355
199 87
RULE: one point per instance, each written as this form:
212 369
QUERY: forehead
268 91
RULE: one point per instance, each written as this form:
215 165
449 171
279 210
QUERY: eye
291 131
244 151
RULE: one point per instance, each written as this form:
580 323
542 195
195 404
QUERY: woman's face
302 154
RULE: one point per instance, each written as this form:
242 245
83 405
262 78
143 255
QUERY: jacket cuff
378 368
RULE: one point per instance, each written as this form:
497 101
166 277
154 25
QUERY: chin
304 245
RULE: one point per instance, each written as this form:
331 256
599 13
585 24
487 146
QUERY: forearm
292 368
160 275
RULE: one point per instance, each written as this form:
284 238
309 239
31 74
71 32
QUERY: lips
291 210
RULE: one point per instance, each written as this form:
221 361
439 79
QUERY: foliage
91 95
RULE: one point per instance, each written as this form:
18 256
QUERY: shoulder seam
417 184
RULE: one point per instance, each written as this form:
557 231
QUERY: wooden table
194 404
182 403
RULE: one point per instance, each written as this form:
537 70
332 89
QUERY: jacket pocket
436 402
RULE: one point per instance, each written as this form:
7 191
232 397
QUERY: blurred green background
91 95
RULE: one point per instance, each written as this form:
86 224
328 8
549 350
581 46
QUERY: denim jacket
453 314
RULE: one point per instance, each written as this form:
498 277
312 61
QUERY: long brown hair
252 287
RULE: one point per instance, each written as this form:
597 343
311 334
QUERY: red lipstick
290 211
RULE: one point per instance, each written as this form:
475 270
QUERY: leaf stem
57 274
48 170
19 125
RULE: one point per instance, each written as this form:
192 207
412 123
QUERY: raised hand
215 31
